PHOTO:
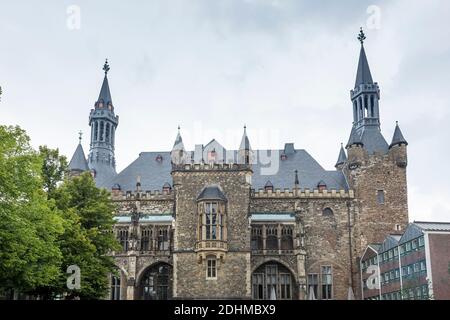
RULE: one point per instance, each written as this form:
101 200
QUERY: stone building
251 224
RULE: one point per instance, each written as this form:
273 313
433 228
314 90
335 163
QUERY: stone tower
211 255
374 169
103 123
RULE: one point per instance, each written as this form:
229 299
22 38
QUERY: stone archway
156 282
272 280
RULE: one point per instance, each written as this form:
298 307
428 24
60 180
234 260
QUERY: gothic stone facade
211 224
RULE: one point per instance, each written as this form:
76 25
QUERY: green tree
29 224
88 238
54 168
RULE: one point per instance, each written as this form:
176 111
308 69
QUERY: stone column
131 282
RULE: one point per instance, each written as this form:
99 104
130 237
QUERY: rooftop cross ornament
361 36
80 134
106 67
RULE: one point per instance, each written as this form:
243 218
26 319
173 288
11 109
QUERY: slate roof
211 193
78 161
155 173
433 226
363 75
370 138
398 137
373 141
178 145
245 143
105 94
342 157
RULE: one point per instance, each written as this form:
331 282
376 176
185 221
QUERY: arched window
122 236
107 135
272 238
146 238
95 130
115 287
327 212
257 240
102 130
372 106
287 240
156 283
273 281
163 239
112 135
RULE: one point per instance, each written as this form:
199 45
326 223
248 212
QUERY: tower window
102 128
380 197
327 283
211 267
327 212
115 288
107 132
95 130
212 219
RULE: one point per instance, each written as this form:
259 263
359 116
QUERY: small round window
327 212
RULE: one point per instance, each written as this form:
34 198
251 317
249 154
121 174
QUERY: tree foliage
49 222
54 168
88 238
29 224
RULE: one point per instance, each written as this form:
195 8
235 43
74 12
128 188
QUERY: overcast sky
282 67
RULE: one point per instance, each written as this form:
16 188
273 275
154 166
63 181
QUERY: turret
103 124
245 153
78 163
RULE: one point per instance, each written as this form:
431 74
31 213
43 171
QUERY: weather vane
106 67
361 36
80 135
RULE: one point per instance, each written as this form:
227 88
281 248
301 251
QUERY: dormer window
159 158
166 188
212 156
322 186
268 186
283 157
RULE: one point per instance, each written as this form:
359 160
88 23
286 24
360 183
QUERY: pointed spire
342 157
398 138
178 145
245 142
355 138
363 75
105 93
78 161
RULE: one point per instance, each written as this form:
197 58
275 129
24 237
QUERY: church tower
103 123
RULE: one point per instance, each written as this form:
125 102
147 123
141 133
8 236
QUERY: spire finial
106 67
396 122
80 134
361 36
179 128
